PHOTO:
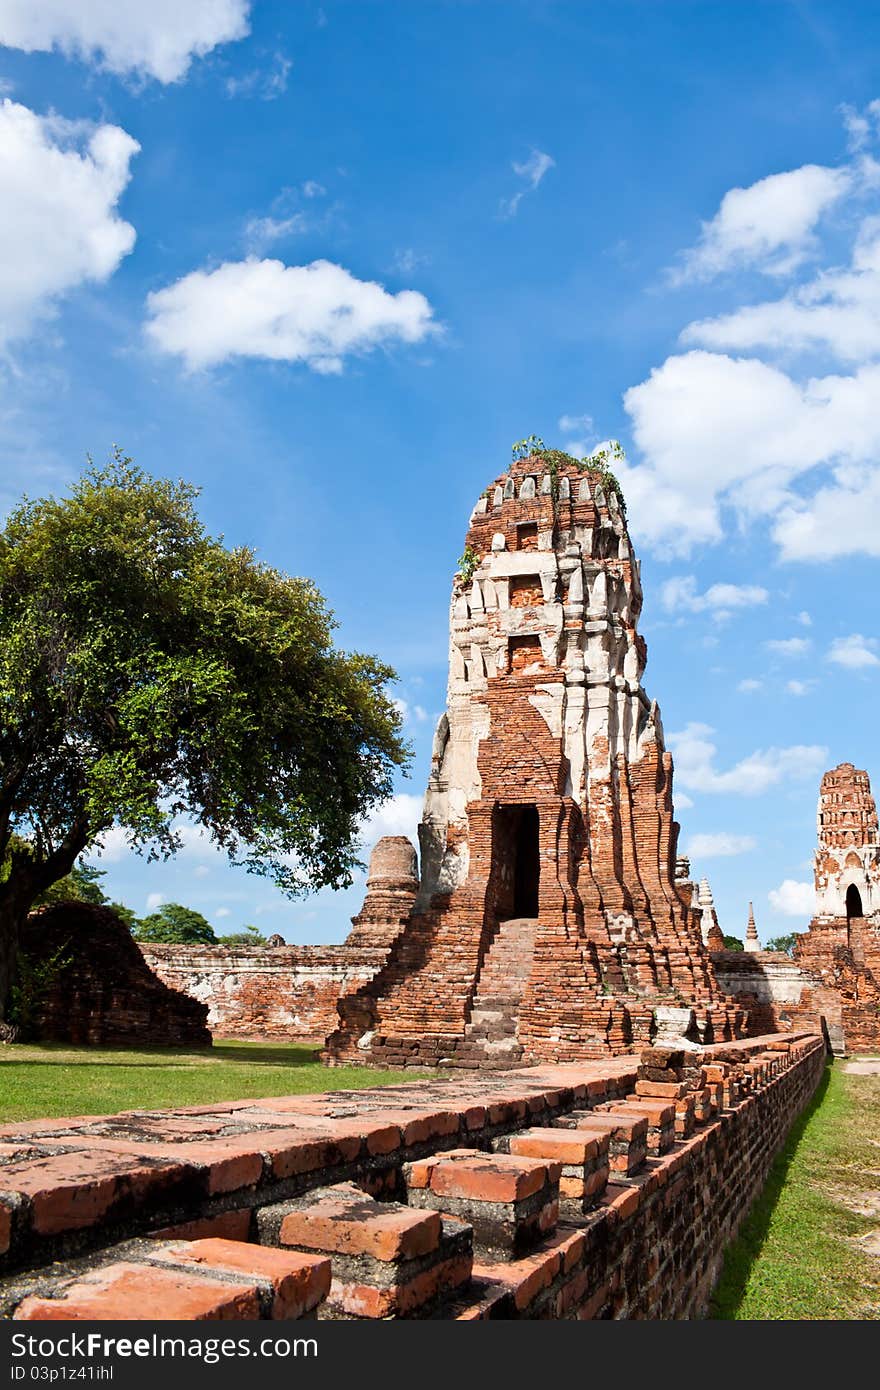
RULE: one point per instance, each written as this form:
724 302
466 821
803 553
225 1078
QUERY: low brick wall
112 1200
285 992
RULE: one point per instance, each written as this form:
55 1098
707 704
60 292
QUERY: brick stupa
547 922
841 948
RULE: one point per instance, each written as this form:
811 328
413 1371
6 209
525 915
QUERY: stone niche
547 921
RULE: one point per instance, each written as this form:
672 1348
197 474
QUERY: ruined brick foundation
288 993
100 991
605 1189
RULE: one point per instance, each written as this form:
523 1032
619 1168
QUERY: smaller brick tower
841 949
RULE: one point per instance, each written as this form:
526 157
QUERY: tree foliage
172 924
248 936
150 676
733 943
785 943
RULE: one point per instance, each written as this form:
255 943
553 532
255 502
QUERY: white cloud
804 619
838 520
719 845
838 311
682 801
260 232
155 900
576 424
793 899
854 652
531 171
860 126
799 687
748 685
317 314
407 260
159 39
223 912
681 593
60 183
266 83
400 815
715 429
312 189
694 755
789 646
768 413
768 225
113 845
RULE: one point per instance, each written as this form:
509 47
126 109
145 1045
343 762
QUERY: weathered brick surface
139 1293
510 1201
104 992
285 992
549 923
649 1244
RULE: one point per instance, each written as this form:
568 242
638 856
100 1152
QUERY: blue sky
329 261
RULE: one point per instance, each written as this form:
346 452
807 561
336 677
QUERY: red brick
564 1145
491 1179
349 1227
300 1282
228 1225
140 1293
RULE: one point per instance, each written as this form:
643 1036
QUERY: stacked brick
522 1196
549 804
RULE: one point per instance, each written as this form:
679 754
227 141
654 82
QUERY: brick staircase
491 1033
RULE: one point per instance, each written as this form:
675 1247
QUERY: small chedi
833 979
549 920
842 946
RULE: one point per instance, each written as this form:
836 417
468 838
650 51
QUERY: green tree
785 943
733 943
248 936
82 885
172 924
148 674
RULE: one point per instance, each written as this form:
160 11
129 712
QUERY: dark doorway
853 902
528 865
517 860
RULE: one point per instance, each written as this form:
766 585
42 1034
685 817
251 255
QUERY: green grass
43 1080
797 1255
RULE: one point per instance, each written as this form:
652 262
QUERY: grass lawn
800 1253
42 1080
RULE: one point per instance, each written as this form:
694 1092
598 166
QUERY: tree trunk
27 878
14 908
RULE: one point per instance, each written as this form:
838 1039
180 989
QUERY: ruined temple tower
841 948
847 858
547 921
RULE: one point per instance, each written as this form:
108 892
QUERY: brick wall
604 1190
286 992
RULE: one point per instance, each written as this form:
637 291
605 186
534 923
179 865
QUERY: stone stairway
491 1034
